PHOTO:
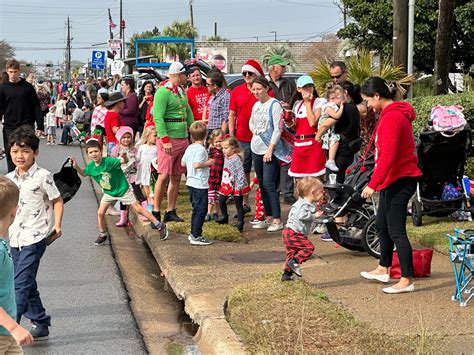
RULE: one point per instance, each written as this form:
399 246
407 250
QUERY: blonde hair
332 89
198 131
235 145
306 184
146 134
215 134
9 195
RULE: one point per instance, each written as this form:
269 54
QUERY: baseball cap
177 68
304 80
277 59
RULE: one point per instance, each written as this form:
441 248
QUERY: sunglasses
337 76
247 73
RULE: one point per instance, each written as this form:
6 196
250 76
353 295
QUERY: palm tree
182 29
279 49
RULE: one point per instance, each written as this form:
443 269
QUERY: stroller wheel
416 212
370 238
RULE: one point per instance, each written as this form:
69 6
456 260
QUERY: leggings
137 191
239 204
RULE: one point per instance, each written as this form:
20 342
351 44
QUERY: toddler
332 109
233 183
215 174
295 234
50 123
197 164
147 153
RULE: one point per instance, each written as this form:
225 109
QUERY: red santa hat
253 66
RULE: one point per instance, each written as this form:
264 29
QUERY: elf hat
253 66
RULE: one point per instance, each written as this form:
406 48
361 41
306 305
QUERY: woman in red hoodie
395 176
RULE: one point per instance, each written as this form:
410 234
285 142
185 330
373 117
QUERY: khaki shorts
127 199
9 346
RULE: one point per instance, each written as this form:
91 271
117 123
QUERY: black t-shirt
348 125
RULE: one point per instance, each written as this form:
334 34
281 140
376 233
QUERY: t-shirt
197 100
109 175
197 178
241 102
348 125
259 123
112 119
7 288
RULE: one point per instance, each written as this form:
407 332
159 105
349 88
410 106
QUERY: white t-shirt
197 178
259 123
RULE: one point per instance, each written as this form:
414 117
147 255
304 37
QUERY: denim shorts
247 156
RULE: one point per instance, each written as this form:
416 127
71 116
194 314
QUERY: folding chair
461 253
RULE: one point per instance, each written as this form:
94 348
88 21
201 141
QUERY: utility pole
215 29
122 31
191 18
275 33
110 27
342 7
68 51
400 33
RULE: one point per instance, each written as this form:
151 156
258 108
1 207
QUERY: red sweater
395 155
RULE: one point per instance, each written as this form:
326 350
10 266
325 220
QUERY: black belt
305 136
182 119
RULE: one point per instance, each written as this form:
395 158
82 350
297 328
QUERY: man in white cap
172 116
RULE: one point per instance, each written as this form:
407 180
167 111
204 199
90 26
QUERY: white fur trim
298 175
247 67
303 144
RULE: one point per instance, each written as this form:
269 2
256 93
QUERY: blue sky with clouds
37 28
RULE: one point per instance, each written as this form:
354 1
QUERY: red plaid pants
297 247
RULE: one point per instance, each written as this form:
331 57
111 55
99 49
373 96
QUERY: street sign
117 67
98 60
115 44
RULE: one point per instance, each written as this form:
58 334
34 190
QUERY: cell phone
49 238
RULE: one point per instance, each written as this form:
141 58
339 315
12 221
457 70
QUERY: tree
443 45
217 38
6 52
145 48
181 29
280 49
372 29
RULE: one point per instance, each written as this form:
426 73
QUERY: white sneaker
198 240
261 225
255 221
275 227
320 229
331 165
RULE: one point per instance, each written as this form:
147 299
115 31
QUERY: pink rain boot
144 205
123 219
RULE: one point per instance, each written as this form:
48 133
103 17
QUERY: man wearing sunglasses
338 71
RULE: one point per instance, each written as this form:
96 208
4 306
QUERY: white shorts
127 199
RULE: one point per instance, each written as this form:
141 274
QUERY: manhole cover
256 257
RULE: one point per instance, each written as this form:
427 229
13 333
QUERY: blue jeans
247 156
28 301
267 175
198 199
66 129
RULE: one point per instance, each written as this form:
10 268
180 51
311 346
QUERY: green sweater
167 105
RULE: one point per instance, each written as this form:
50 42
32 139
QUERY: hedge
423 105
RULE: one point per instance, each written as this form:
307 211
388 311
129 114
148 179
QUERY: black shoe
289 200
101 239
208 218
223 219
215 216
287 276
162 228
157 215
39 332
240 226
247 209
295 267
171 216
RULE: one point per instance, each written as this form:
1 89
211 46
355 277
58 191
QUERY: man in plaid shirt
218 110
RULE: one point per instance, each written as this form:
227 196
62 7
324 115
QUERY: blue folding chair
461 253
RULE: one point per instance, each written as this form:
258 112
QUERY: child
333 109
295 234
147 152
234 182
109 175
39 201
215 174
197 164
12 335
60 110
124 137
259 209
51 125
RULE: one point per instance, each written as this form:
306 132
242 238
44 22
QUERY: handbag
421 263
67 181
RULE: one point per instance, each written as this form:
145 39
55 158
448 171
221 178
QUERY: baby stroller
441 158
358 232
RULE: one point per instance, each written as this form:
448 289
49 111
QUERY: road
79 283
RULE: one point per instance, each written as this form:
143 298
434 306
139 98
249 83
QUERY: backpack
448 119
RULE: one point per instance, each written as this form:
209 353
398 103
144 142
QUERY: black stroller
358 232
441 158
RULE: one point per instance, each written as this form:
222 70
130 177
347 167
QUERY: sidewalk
203 276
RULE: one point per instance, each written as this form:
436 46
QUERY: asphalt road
80 284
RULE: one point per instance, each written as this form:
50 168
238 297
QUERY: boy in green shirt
106 171
12 335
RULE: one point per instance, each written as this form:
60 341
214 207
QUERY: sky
37 28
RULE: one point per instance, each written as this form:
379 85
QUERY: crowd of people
140 145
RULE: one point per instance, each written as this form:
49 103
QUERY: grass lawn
300 320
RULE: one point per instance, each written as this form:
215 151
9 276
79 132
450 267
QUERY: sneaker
331 165
48 143
171 216
287 276
295 267
208 218
320 229
275 227
157 215
101 239
240 226
215 216
256 221
162 229
198 240
39 332
261 225
326 237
